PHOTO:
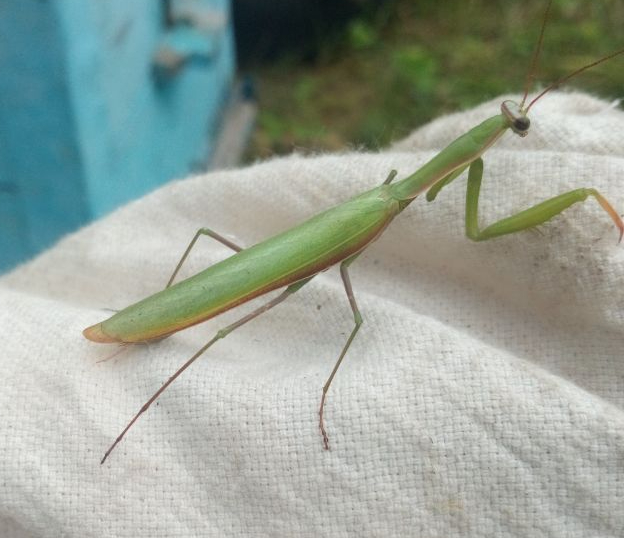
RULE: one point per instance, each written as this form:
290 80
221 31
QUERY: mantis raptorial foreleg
358 322
222 333
209 233
433 191
528 218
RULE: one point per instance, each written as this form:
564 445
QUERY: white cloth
484 395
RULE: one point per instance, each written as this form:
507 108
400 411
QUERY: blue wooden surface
89 119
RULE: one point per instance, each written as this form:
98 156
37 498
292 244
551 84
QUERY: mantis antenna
573 74
538 48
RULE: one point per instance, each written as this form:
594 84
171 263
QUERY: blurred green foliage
409 61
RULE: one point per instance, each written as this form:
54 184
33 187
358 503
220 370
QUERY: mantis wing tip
96 334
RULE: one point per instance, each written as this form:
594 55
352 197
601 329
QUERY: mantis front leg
528 218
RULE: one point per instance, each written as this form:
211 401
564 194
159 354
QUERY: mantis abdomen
283 259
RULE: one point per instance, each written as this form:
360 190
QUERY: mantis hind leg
220 334
209 233
358 322
528 218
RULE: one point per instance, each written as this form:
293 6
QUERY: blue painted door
101 102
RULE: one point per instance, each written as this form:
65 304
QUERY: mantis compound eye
521 125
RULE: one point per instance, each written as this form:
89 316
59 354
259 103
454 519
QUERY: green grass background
404 63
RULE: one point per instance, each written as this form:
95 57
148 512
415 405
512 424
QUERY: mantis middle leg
209 233
344 273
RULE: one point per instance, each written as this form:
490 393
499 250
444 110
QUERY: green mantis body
292 256
337 235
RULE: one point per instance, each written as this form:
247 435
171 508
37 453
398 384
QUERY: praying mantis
335 236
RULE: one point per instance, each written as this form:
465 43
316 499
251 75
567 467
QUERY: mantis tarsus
338 235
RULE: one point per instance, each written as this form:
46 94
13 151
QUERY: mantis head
517 117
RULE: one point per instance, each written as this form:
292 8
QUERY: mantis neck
457 154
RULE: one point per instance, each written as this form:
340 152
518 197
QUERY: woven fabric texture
483 396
